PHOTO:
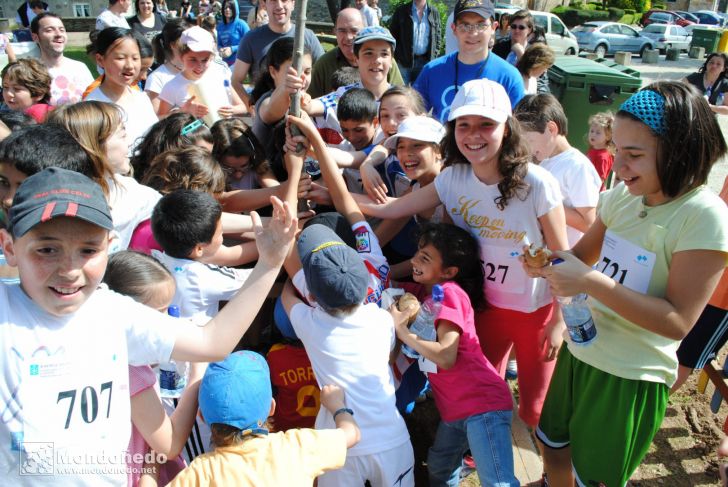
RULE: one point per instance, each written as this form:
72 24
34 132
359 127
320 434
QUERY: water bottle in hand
172 380
578 319
424 324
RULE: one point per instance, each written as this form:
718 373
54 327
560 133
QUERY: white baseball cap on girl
481 97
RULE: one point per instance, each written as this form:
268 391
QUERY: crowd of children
165 316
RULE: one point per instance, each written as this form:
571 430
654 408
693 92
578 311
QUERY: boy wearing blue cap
236 400
67 343
348 337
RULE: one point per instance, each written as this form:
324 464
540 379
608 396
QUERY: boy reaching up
67 343
347 336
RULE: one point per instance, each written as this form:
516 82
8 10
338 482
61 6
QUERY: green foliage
630 11
659 6
615 13
573 17
629 19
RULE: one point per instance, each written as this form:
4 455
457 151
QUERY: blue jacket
229 34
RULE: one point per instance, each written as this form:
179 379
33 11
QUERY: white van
558 36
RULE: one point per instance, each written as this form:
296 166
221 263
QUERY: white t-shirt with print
65 386
107 18
201 287
578 181
69 81
502 233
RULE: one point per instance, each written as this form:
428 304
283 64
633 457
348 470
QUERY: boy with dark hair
187 226
357 114
544 125
236 400
347 336
67 343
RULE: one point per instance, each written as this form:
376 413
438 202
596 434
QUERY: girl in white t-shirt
147 281
166 55
197 52
118 53
490 189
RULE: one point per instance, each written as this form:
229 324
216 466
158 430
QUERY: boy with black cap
440 79
236 400
67 343
347 336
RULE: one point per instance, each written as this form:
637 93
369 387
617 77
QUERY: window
557 27
81 10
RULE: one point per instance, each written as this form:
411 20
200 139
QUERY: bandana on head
649 108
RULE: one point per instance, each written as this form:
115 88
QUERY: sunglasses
518 27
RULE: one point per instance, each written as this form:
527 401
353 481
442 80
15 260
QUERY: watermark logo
37 458
42 458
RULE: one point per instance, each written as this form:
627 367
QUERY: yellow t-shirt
695 221
294 458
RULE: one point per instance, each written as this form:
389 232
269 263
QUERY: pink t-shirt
471 386
142 240
140 379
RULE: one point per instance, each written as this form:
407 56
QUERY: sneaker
512 370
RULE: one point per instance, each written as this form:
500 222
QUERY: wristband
343 410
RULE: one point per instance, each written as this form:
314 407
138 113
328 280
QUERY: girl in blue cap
658 249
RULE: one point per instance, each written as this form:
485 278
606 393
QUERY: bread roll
407 300
537 256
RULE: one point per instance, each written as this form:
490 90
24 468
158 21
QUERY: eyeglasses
518 27
482 27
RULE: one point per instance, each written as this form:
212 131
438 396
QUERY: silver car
666 36
605 38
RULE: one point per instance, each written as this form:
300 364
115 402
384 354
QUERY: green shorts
608 421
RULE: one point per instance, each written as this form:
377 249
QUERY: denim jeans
488 435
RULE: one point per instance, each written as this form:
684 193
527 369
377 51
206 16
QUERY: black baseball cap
56 192
484 8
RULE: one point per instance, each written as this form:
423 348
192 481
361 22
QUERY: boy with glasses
440 79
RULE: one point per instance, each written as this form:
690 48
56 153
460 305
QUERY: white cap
481 97
198 39
421 128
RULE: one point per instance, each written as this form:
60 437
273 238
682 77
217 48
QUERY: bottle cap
173 311
438 294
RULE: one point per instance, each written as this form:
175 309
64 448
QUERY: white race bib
626 263
503 269
82 402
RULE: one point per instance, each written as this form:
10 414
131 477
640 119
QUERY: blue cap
375 33
335 273
237 392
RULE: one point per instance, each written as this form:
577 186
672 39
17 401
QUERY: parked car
666 36
558 36
709 17
688 16
605 38
663 17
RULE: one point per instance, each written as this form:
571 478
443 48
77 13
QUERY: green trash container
585 87
707 38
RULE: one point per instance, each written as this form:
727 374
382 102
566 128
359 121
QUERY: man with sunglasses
441 78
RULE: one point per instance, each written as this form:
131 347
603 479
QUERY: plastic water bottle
228 91
171 380
578 319
424 325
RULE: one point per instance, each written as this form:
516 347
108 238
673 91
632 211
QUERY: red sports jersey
297 392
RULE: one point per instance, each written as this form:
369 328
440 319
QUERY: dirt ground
683 453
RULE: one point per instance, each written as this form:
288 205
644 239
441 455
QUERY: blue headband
649 108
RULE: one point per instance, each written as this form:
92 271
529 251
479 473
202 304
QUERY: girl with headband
658 249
